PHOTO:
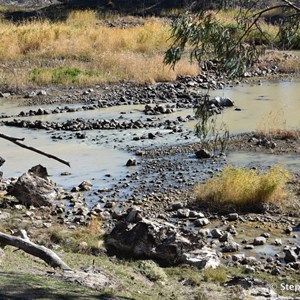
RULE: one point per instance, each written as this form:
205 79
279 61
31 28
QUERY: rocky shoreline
157 201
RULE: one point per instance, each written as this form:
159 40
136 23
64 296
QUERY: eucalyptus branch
290 4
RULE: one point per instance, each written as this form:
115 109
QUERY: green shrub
215 275
151 270
61 75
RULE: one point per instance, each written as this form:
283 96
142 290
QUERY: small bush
56 75
243 189
152 271
215 275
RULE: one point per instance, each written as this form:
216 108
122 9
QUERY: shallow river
104 161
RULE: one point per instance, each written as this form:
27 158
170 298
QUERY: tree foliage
232 46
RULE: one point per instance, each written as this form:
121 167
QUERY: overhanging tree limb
233 46
17 142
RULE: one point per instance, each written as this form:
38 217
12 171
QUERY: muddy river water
101 156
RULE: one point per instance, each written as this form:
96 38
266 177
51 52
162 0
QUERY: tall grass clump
243 189
273 126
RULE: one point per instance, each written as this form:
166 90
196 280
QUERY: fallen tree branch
29 247
17 142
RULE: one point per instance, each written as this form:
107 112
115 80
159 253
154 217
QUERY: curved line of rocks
99 124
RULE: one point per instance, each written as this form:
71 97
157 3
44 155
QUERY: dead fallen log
17 142
29 247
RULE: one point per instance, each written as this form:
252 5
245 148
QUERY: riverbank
66 90
160 184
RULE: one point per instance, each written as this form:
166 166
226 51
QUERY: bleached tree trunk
29 247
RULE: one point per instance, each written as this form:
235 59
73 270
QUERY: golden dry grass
243 188
273 125
101 53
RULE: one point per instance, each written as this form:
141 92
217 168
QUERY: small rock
238 257
231 229
226 237
259 241
203 153
275 272
278 242
265 234
201 222
42 93
249 270
216 233
249 247
85 186
131 162
290 256
4 95
232 217
203 258
249 260
177 205
230 247
183 213
289 230
196 214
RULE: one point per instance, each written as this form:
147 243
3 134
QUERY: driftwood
17 142
29 247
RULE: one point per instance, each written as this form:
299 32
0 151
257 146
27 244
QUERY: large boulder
34 188
137 237
142 238
221 102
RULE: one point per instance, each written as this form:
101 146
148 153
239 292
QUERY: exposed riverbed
101 155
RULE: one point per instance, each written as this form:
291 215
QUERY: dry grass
215 275
244 189
100 53
273 126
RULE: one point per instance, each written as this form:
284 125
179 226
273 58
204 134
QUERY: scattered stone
216 233
275 272
221 102
4 95
290 256
196 214
259 241
203 154
85 186
265 234
249 247
238 257
231 229
131 162
201 222
289 230
183 213
249 270
230 247
226 237
2 161
249 260
177 205
42 93
232 217
203 258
